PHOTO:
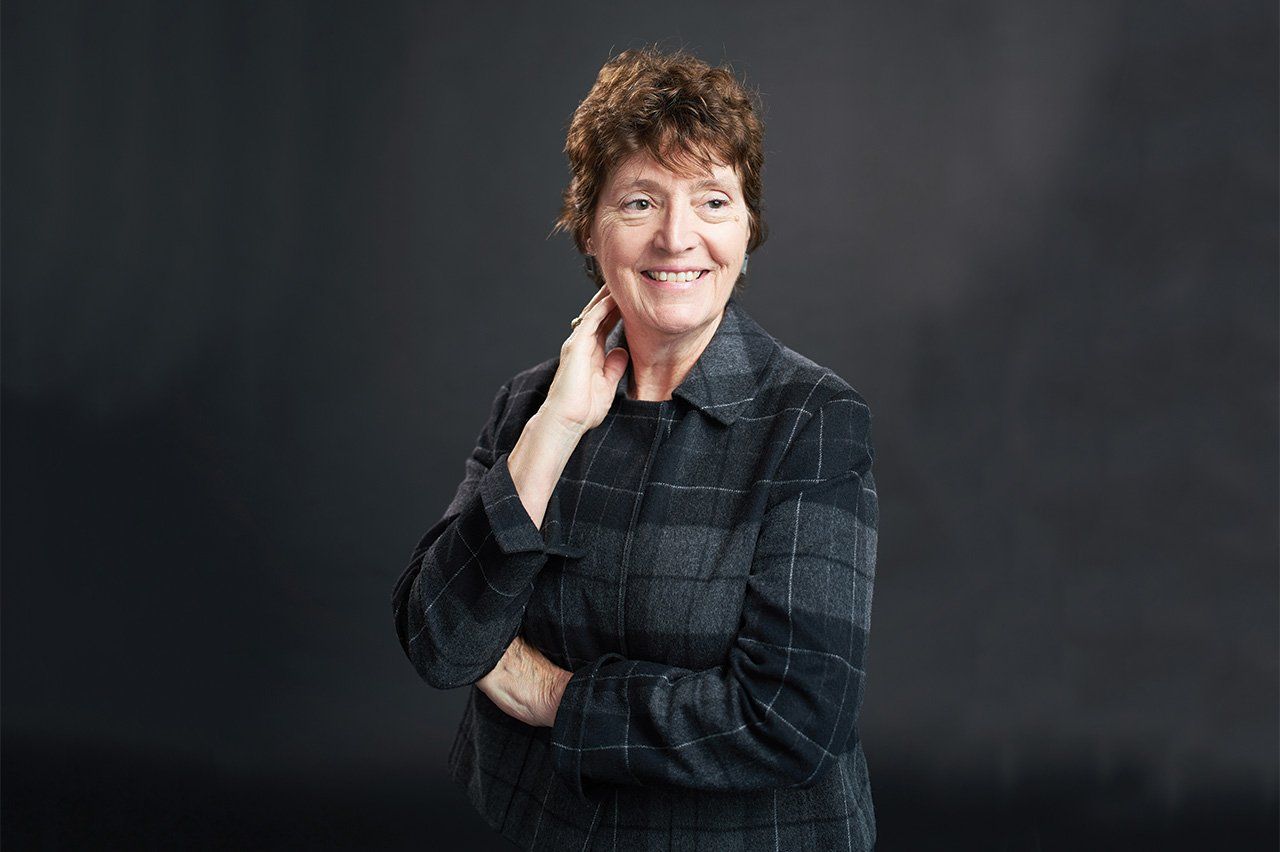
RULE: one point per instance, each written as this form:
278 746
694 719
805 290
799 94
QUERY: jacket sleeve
459 603
785 702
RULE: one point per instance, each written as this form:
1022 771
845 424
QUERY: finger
599 294
607 322
615 364
593 316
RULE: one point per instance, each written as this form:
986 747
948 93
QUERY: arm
460 601
786 700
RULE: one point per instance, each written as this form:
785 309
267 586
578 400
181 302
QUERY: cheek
607 234
737 228
622 246
733 242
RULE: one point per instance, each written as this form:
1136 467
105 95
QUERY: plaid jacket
705 570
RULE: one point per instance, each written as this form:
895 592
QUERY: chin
680 317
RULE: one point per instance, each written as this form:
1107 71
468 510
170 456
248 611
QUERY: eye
723 202
627 205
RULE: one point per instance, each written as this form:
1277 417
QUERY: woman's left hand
526 685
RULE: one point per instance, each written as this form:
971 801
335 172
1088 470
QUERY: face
648 220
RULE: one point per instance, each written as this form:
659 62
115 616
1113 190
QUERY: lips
652 276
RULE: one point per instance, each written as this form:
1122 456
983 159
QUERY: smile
675 277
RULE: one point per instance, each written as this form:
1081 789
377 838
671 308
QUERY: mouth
675 279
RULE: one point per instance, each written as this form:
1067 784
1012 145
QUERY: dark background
264 266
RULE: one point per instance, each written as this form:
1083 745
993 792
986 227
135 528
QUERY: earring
746 258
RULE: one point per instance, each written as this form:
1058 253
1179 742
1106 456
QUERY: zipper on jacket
631 528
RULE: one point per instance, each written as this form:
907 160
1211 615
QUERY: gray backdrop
264 266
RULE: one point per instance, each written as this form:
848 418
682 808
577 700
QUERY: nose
677 231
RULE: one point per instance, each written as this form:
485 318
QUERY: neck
660 362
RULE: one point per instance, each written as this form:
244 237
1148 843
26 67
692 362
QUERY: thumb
615 364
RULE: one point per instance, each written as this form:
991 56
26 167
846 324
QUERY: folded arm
460 601
785 702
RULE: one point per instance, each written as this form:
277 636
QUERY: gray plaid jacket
705 570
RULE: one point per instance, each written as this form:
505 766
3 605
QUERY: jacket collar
724 379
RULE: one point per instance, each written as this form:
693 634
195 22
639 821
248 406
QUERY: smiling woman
671 248
655 578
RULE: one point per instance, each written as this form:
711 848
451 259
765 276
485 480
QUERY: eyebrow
718 183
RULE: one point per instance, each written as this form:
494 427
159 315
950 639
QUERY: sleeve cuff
569 730
513 529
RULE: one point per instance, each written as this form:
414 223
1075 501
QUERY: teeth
674 276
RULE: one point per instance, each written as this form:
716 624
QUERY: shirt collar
723 381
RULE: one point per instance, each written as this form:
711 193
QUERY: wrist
556 693
556 427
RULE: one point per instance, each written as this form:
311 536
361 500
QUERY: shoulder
796 376
790 386
798 384
518 399
819 425
528 388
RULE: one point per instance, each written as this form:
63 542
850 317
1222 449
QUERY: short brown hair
677 108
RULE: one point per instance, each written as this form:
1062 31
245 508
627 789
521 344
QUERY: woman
657 573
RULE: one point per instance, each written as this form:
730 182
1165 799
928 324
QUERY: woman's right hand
583 389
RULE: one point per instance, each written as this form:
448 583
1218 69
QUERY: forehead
642 171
